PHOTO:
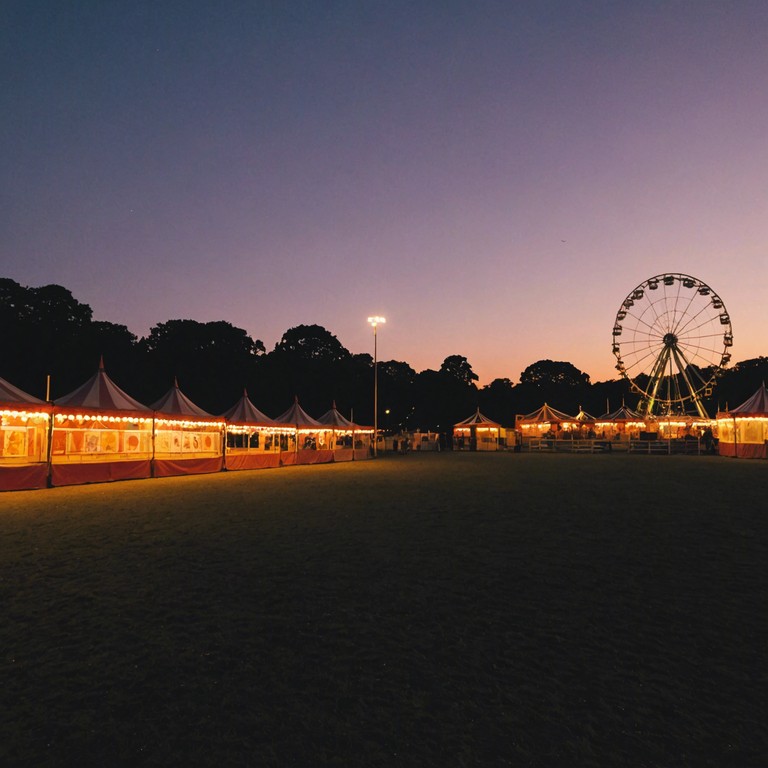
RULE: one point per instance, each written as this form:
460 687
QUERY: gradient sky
494 177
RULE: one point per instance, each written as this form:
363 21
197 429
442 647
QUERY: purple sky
492 177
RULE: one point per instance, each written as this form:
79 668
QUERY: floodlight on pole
375 321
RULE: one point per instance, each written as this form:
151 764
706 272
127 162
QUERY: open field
427 610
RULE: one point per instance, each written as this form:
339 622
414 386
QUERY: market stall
304 441
743 431
252 438
99 434
621 425
476 433
347 440
188 440
545 422
24 426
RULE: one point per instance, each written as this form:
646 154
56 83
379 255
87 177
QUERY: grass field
427 610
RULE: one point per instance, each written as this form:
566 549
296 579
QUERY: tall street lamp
375 321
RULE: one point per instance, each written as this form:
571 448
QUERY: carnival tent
100 433
24 424
346 439
743 431
252 439
623 422
476 433
188 440
542 421
303 446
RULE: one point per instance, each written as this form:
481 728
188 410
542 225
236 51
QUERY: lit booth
545 422
188 440
622 424
581 427
347 440
24 425
743 431
99 434
305 443
253 439
476 433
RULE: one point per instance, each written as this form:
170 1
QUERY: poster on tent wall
23 451
89 444
14 443
189 450
22 442
84 451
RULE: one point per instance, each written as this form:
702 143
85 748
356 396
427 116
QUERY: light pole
375 321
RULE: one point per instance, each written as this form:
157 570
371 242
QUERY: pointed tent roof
100 393
755 405
546 414
334 418
245 412
13 396
175 403
296 416
476 419
622 414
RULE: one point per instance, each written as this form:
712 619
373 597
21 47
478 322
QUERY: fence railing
691 447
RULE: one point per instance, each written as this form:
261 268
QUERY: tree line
47 332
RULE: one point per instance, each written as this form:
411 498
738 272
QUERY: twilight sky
492 176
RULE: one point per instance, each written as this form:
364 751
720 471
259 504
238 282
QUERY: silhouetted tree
395 394
311 363
459 367
551 372
497 401
212 361
42 333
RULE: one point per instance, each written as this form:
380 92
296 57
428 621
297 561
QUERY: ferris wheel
672 338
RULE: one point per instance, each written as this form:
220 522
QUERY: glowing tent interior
305 443
346 439
253 439
188 440
24 424
100 433
543 422
743 431
623 423
476 433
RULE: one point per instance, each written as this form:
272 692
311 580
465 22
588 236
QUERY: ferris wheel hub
670 340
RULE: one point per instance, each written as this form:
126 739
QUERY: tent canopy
15 397
477 419
296 416
334 418
622 414
175 403
545 414
757 405
100 393
245 412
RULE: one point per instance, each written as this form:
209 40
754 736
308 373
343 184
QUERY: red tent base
101 472
743 450
23 478
174 467
252 461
